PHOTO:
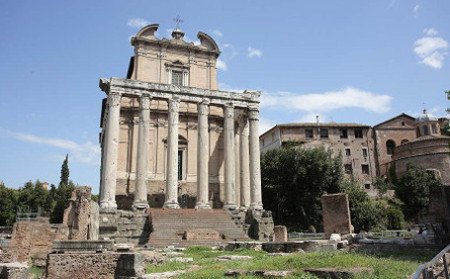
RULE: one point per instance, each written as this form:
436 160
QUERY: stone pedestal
280 234
336 214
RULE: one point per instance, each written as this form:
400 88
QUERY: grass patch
36 271
385 265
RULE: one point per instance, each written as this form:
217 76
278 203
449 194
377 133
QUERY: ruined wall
32 239
336 214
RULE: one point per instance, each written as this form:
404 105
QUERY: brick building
353 141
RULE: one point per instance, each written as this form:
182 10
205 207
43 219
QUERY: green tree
365 213
382 185
414 189
62 194
64 178
8 205
32 197
294 179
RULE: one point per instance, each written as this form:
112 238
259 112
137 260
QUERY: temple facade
170 138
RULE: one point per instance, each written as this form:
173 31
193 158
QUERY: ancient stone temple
170 139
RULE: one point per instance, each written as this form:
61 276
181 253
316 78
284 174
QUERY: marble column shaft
140 191
244 157
255 168
203 156
110 154
229 157
172 155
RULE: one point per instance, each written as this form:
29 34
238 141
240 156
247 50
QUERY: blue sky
347 61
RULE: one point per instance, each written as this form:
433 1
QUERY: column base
256 206
171 205
140 205
230 206
202 205
244 207
108 206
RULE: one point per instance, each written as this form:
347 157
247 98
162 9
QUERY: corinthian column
110 150
230 195
140 191
255 168
244 162
202 156
172 155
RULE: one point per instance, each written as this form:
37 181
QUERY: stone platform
189 227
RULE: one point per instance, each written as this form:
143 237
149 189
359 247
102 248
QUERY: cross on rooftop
178 21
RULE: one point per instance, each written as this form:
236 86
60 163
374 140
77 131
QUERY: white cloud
217 33
416 9
137 22
229 50
253 52
430 31
265 124
312 117
431 49
327 101
221 65
87 153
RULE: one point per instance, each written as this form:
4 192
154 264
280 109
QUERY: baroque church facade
167 132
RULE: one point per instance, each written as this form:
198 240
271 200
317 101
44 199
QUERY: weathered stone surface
260 224
258 273
81 216
161 275
13 271
181 260
233 257
31 239
107 265
280 234
124 226
336 214
86 246
201 234
335 237
334 273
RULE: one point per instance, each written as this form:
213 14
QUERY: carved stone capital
174 104
253 113
114 99
203 107
145 101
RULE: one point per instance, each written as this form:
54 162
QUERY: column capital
203 107
114 99
204 101
145 101
253 113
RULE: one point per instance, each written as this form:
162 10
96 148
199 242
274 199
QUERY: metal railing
300 235
426 270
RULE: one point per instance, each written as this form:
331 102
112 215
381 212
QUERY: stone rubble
233 257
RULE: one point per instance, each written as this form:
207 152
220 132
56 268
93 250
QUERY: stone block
336 273
201 234
336 214
13 271
280 234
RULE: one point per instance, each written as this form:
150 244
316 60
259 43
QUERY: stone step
169 226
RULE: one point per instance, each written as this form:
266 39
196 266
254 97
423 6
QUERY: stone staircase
171 227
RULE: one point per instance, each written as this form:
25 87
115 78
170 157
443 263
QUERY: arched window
426 130
390 145
434 129
405 141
